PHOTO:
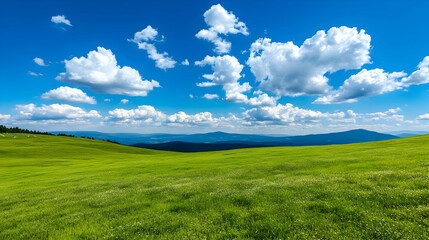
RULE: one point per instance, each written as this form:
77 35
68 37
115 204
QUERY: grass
68 188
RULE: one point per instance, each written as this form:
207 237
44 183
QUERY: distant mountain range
224 141
406 133
133 138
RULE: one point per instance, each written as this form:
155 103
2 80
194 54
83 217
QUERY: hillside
197 147
69 188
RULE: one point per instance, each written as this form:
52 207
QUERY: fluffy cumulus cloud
60 19
148 115
226 73
39 62
374 82
54 113
124 101
420 76
145 39
69 94
4 118
143 114
261 100
221 22
211 96
366 83
423 117
100 73
289 115
290 70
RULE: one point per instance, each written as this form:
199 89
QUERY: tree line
4 129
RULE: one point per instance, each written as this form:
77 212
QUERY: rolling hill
54 187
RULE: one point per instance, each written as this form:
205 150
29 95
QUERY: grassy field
68 188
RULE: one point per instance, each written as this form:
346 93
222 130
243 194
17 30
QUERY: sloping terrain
196 147
69 188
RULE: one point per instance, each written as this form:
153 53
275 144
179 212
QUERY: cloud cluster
374 82
227 73
69 94
60 19
290 70
145 40
56 112
420 76
389 115
148 115
289 115
100 73
366 83
222 22
143 114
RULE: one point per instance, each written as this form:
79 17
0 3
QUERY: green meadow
55 187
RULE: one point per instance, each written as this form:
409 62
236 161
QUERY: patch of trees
4 129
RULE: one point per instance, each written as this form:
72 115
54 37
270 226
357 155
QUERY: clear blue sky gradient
399 38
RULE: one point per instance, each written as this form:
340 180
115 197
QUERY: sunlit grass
61 188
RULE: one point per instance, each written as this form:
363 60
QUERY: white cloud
34 74
423 117
124 101
226 73
366 83
211 96
69 94
389 115
290 70
374 82
60 19
185 62
143 114
191 96
39 62
4 118
100 73
142 38
56 112
107 100
223 22
420 76
147 34
221 45
289 115
262 100
148 115
183 118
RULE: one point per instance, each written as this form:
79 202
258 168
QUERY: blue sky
364 68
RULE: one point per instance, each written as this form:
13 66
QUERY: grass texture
69 188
